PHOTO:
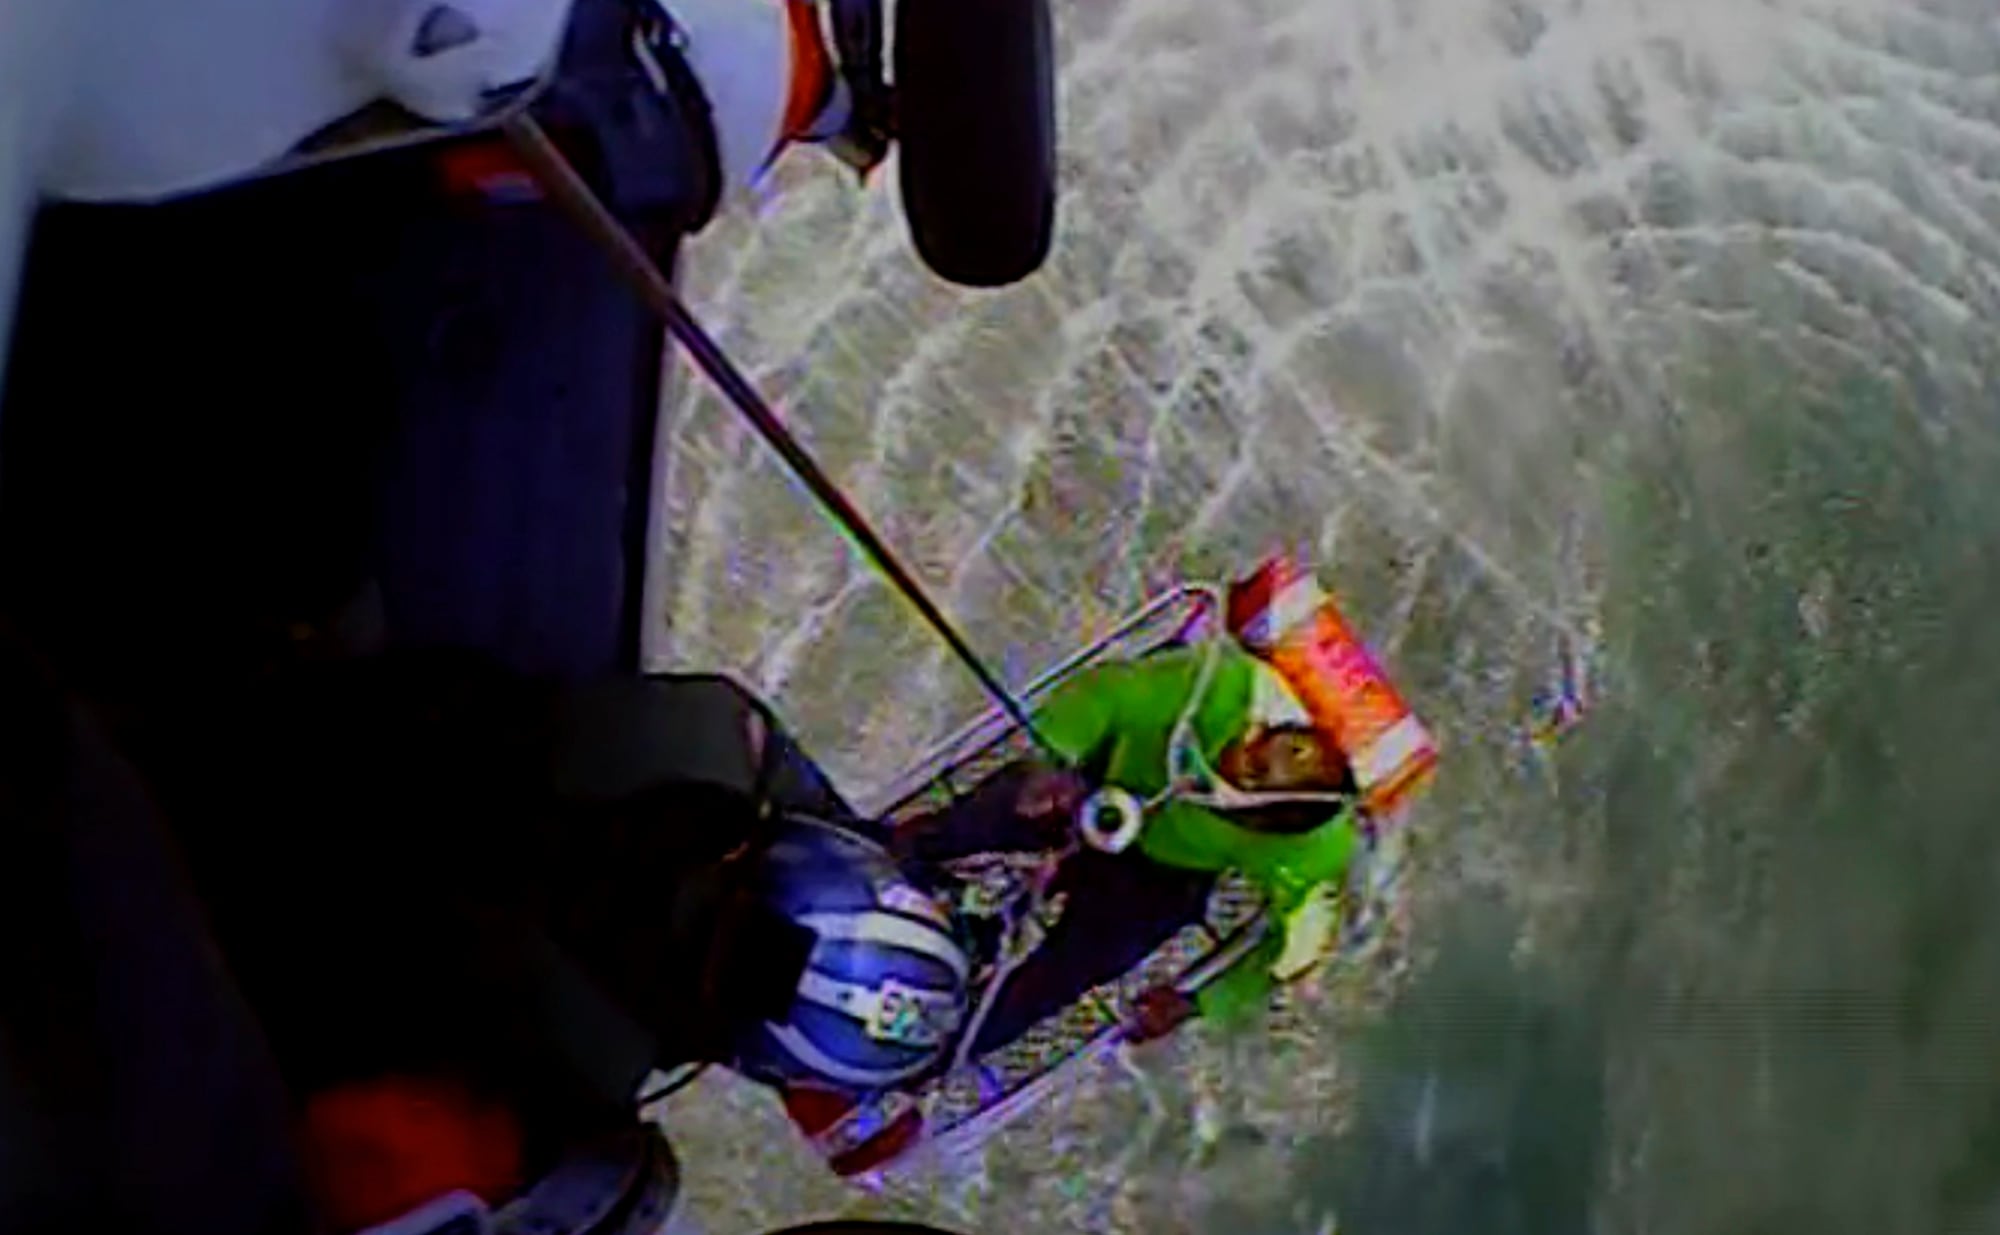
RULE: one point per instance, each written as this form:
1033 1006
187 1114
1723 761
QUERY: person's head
1286 758
885 986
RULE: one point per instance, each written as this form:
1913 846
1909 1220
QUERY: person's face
1284 759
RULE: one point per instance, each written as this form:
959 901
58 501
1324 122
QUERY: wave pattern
1393 279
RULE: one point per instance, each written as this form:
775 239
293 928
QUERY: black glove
1022 808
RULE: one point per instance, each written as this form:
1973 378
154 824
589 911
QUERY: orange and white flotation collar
1282 615
809 84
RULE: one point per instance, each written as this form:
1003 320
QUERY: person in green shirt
1232 776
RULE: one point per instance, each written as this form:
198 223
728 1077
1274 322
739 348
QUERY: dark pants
137 1093
1119 906
452 831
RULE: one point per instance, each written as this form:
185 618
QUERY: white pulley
1110 820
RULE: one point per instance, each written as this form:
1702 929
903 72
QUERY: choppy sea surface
1657 337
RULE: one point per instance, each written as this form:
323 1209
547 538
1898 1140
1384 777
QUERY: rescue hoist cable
560 179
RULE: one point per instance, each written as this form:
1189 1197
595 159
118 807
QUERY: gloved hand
1047 791
1025 807
1156 1013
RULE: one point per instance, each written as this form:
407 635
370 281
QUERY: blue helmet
884 991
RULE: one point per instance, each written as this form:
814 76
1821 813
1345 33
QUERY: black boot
863 141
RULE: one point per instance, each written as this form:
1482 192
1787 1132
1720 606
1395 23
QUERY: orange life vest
377 1149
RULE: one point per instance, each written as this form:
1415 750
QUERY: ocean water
1657 338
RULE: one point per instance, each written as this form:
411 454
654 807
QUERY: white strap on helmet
891 1012
888 930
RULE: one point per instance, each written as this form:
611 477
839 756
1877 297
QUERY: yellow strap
1311 932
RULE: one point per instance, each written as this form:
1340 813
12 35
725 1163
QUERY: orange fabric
818 1113
479 167
812 68
378 1149
815 1110
1341 684
881 1148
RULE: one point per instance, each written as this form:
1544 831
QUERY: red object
488 168
378 1149
811 81
839 1128
1156 1013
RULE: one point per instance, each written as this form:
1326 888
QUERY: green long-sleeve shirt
1131 707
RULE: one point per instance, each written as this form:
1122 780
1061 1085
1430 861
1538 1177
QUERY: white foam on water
1387 233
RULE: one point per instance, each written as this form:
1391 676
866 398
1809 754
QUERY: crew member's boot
860 123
